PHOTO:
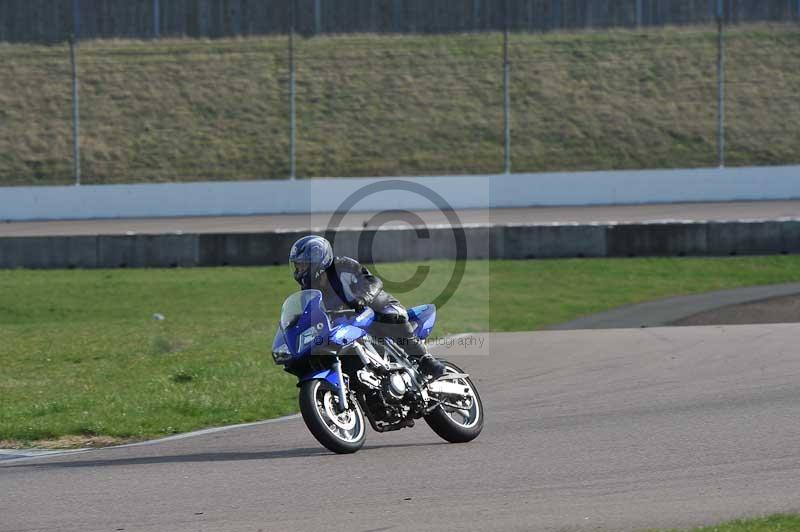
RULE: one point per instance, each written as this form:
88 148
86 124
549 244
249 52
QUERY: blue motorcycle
345 375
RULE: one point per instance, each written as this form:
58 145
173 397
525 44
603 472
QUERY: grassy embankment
83 360
398 105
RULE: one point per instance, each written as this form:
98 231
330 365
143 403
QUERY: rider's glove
358 304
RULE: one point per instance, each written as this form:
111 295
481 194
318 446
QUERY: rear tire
445 422
341 433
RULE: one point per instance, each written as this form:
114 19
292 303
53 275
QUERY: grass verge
773 523
82 355
187 110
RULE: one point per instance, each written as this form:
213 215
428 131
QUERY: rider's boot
428 364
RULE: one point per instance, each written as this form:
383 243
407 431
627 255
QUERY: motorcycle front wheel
458 425
340 432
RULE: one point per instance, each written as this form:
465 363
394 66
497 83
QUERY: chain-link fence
55 20
391 104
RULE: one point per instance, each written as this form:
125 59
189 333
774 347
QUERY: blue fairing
310 329
364 319
425 317
305 326
328 375
280 350
345 334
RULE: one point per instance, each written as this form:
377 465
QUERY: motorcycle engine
396 386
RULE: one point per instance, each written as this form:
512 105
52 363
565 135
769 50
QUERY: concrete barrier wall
408 244
460 192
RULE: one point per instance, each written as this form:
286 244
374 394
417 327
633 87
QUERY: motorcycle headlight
282 354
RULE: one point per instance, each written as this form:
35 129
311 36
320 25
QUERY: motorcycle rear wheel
342 433
456 425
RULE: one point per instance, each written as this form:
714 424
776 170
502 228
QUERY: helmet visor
299 270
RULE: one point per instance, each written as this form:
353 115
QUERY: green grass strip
773 523
82 355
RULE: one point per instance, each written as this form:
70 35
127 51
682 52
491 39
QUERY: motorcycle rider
345 283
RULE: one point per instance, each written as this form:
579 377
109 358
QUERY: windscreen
294 305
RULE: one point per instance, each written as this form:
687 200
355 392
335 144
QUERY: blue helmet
309 257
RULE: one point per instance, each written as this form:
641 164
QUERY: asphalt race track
743 210
591 429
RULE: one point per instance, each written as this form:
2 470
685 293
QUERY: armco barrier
140 251
408 244
663 239
737 238
49 252
790 236
552 241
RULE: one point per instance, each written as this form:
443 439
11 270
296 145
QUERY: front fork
342 391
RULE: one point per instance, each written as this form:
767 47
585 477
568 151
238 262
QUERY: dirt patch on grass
67 442
783 309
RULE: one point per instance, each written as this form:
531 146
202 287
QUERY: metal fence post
292 102
720 86
638 13
76 19
156 19
237 18
589 13
397 14
557 22
317 17
76 149
506 104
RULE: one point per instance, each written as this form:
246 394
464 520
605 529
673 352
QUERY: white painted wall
327 195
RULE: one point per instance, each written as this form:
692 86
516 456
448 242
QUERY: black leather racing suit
348 284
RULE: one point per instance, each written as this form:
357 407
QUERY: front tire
342 433
457 425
